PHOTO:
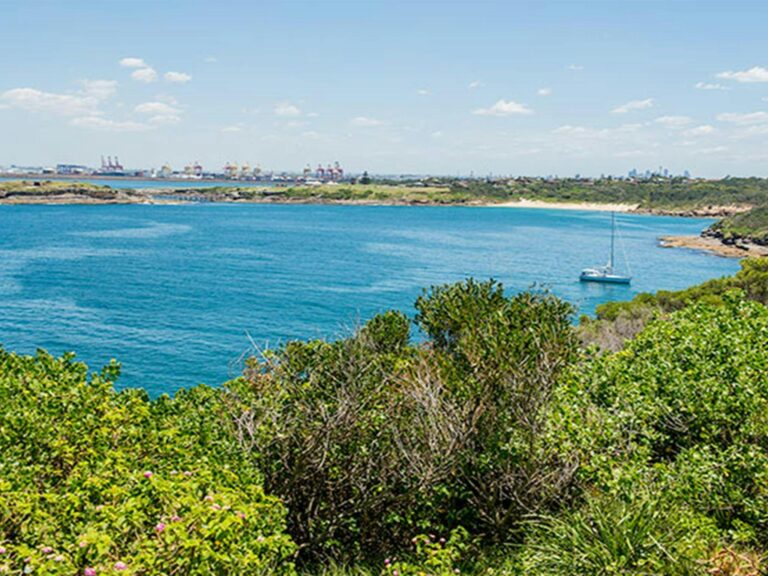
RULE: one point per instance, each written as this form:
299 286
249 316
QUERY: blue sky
531 88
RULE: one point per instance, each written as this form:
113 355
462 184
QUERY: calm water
175 292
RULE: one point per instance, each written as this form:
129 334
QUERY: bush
686 402
370 439
638 535
95 480
432 556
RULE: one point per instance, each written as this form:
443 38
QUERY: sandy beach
593 206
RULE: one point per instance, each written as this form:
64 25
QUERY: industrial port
111 167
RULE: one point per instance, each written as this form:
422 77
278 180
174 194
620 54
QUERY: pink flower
395 573
216 507
3 550
208 498
89 572
240 515
82 544
120 566
59 558
175 518
387 562
148 474
160 527
47 550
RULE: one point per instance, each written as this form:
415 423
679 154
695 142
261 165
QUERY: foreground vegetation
496 444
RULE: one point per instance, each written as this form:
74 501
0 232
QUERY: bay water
181 293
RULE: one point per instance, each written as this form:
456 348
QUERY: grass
47 186
752 225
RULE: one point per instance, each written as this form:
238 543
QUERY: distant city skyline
529 88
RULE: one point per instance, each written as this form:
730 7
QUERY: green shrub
370 439
685 401
639 535
95 480
432 556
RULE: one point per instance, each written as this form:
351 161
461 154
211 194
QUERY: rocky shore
709 243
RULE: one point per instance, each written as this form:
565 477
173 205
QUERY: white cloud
422 92
84 102
633 105
161 113
703 130
99 89
437 134
232 129
709 86
106 125
570 130
165 119
544 91
287 109
144 75
310 135
167 98
211 59
312 114
754 74
754 130
133 63
34 100
178 77
366 122
503 108
475 84
673 121
744 119
575 67
157 108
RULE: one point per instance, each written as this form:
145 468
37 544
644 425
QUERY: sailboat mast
613 234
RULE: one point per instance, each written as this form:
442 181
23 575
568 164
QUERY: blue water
176 293
137 184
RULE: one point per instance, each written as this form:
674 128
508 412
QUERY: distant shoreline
165 196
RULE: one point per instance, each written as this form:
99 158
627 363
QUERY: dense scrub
98 482
370 440
494 445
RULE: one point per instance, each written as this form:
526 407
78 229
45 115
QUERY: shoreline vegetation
738 202
505 440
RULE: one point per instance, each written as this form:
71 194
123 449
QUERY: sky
449 88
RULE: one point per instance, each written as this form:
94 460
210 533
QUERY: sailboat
605 273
